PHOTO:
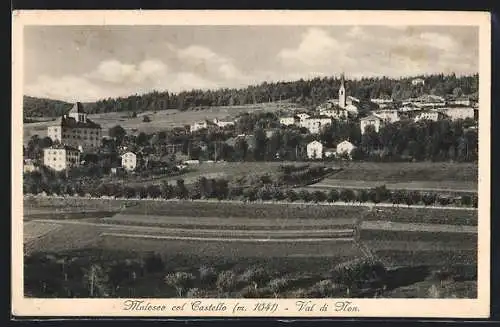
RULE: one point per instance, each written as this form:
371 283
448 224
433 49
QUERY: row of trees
311 92
221 189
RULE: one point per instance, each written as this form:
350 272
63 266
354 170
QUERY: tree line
307 92
223 189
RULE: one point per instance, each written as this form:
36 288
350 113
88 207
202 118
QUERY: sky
87 63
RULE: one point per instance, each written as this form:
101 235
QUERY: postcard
251 164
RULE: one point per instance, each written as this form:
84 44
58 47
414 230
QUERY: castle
75 129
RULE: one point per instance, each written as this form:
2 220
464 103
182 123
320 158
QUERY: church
342 107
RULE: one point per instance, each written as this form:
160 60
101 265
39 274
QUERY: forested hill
306 92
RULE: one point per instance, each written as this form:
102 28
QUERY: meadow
160 120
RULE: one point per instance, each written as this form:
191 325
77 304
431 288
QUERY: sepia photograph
266 161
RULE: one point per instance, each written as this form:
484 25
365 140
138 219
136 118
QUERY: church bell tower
342 96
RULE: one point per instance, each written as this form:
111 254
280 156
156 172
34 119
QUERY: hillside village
334 130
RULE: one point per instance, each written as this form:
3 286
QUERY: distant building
345 148
335 113
329 152
430 115
426 101
372 120
287 121
417 81
29 166
75 129
303 116
61 157
222 124
459 112
347 102
315 124
129 161
388 115
198 125
315 150
461 101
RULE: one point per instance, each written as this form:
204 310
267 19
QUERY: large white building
129 161
372 120
76 130
61 157
315 124
315 150
433 115
459 112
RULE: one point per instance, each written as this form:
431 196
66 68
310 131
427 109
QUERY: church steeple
342 96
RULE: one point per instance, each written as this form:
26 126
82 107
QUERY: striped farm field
225 223
34 230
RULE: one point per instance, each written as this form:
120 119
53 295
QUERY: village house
287 121
302 116
426 101
388 115
198 125
222 124
29 166
129 161
433 115
382 103
372 120
345 148
459 112
315 124
335 113
417 81
461 101
315 150
75 129
60 157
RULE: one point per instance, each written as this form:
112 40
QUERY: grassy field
429 176
160 120
398 172
227 170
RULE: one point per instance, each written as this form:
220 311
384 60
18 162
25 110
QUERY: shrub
146 119
301 293
208 276
278 285
357 272
304 196
326 288
318 196
466 200
429 199
226 281
363 196
255 275
292 196
333 196
347 195
180 281
194 293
